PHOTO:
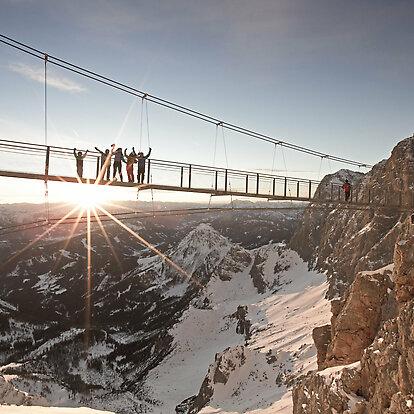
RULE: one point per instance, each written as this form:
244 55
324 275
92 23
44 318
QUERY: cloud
37 74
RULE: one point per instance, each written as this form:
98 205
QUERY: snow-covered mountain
232 332
153 332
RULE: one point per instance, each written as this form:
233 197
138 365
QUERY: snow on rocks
10 395
258 368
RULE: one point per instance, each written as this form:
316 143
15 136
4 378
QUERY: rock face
387 366
403 274
10 395
383 380
355 325
329 390
219 373
344 242
321 335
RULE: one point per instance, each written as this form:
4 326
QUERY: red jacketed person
347 189
131 160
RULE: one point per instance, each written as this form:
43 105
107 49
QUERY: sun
87 195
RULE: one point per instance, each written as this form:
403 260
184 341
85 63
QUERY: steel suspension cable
168 104
47 166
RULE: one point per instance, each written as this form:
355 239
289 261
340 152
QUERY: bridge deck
211 191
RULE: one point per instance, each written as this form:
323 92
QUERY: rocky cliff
371 334
343 242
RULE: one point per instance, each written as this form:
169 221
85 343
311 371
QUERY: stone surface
321 336
403 274
385 381
328 390
357 323
10 395
387 366
218 373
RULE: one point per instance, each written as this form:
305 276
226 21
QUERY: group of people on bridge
119 158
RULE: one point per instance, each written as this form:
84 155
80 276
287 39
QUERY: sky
334 76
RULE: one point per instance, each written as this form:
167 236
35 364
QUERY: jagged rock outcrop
383 381
218 373
403 274
11 395
321 336
243 324
387 366
360 313
344 242
264 256
329 390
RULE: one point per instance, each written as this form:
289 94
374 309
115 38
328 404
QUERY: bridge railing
228 180
363 195
59 161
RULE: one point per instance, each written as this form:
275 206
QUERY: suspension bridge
173 176
46 164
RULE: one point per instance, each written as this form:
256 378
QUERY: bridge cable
214 165
167 104
148 133
273 167
227 164
47 166
140 130
284 162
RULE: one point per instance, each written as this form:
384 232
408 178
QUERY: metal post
216 184
189 176
97 167
225 181
285 189
274 186
356 197
310 189
182 176
148 172
369 196
257 184
339 193
47 164
297 189
247 184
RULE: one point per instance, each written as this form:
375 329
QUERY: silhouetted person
141 165
131 159
79 161
347 189
105 161
118 159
